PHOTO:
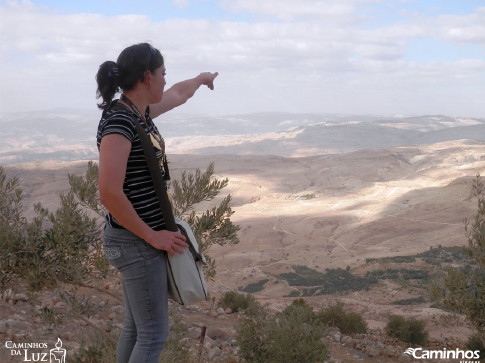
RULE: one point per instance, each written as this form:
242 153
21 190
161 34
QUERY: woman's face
157 84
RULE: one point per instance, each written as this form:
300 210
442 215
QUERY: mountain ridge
69 137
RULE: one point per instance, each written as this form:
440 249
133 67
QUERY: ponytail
123 75
108 83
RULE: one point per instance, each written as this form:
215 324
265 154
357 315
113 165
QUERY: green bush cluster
101 348
64 245
407 330
174 349
463 289
476 342
411 301
96 349
402 273
254 287
395 259
236 301
212 226
293 335
348 323
434 256
330 282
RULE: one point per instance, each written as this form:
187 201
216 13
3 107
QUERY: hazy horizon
69 136
349 56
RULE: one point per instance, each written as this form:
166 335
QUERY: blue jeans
144 278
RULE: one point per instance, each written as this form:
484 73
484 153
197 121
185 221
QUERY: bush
409 331
463 288
66 245
301 302
254 287
68 249
348 323
330 282
476 342
294 335
175 350
97 349
212 226
236 301
413 300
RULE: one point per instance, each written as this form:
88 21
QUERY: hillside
70 136
327 211
321 200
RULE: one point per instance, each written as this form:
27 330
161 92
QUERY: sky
372 57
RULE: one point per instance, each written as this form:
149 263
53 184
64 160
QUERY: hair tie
114 73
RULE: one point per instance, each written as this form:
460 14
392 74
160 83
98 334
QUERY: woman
135 238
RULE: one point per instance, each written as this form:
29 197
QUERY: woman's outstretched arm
180 92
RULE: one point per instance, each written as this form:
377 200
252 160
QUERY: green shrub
476 342
97 349
403 273
254 287
236 301
407 330
463 289
348 323
301 302
414 300
61 246
294 335
175 350
330 282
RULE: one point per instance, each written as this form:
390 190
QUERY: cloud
289 10
181 3
305 58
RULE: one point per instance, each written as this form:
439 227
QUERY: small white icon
58 354
409 351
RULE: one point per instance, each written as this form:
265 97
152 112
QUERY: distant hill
70 136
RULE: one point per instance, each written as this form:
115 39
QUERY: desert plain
308 204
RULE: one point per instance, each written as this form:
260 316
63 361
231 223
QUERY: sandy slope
338 210
322 211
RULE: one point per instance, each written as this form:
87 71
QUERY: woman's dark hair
130 68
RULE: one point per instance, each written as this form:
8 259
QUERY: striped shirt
138 185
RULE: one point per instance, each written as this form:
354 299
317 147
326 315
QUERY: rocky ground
328 211
42 317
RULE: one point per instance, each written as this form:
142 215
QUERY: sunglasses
151 52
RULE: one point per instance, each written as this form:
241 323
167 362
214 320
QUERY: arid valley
311 201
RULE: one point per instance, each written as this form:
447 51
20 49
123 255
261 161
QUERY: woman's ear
146 78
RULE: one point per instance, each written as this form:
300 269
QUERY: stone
214 353
347 341
3 326
208 343
22 296
390 351
372 351
8 294
60 305
404 358
118 309
333 333
194 332
225 334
